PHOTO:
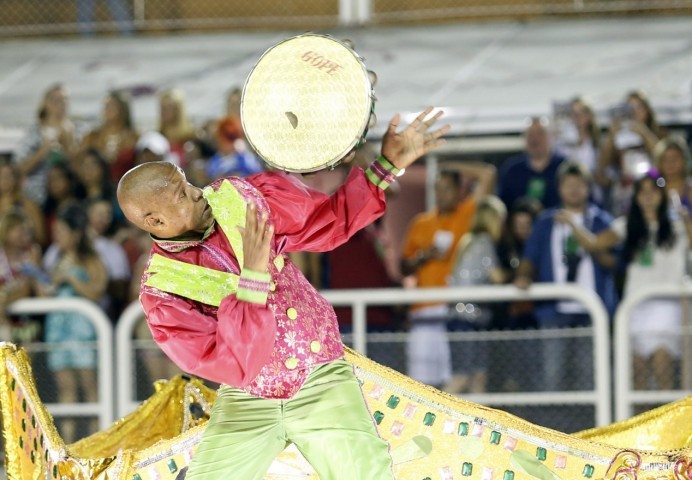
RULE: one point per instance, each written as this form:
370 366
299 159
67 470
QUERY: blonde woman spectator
115 138
12 198
50 140
476 263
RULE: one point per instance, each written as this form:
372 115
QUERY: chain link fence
86 17
417 11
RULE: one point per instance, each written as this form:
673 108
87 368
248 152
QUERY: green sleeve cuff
382 172
253 286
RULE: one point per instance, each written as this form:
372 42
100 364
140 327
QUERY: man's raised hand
405 147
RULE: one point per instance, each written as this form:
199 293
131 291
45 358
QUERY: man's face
447 194
537 141
177 207
574 191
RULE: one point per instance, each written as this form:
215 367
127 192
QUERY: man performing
225 303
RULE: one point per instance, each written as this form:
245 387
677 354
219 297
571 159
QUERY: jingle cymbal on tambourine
307 103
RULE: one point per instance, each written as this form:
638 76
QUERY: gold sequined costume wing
432 435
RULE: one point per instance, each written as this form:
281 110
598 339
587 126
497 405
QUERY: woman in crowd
627 151
62 189
116 137
655 248
174 123
76 271
96 182
672 159
20 260
581 142
12 198
476 263
50 140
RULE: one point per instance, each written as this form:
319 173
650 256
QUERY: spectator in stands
95 179
99 222
12 198
655 250
76 272
627 151
427 255
50 140
116 137
672 159
174 123
532 173
579 139
20 260
552 254
154 147
233 158
94 175
517 357
475 262
520 222
62 189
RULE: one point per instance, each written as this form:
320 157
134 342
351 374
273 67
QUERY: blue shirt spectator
540 252
518 179
533 173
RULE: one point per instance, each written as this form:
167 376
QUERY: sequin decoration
393 402
467 469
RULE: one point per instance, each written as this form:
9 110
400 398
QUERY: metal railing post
124 357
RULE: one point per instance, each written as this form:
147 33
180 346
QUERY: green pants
327 420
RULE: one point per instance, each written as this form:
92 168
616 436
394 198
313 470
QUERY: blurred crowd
605 208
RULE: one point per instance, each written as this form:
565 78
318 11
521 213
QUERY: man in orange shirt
428 253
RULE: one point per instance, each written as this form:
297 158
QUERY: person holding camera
627 151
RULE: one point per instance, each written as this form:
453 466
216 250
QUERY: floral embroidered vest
307 332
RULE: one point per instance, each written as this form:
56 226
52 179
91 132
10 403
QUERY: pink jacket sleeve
231 350
308 220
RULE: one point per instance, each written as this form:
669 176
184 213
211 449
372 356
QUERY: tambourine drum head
306 103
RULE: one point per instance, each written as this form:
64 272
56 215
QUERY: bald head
137 189
157 198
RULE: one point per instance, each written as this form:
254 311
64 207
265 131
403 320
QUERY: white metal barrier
103 409
360 299
600 397
625 396
124 355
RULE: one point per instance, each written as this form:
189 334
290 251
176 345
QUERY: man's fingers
268 234
437 133
394 124
251 217
419 119
429 122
